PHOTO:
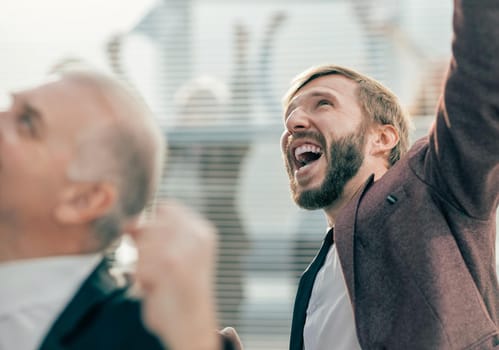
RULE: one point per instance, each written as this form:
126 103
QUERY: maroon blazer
417 247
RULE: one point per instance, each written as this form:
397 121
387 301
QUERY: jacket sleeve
463 159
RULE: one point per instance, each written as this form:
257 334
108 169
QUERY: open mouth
306 154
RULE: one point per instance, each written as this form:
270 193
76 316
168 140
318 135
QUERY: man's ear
385 138
84 202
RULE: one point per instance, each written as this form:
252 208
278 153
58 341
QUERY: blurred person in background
206 105
218 165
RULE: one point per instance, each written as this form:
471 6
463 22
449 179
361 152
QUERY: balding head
122 146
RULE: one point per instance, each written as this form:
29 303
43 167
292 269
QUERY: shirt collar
30 281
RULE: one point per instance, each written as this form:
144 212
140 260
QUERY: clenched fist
175 272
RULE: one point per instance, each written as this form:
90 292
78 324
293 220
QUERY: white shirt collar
30 281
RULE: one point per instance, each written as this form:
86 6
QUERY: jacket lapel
94 291
344 232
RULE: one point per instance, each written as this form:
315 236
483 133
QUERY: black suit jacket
101 315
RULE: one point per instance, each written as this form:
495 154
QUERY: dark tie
304 291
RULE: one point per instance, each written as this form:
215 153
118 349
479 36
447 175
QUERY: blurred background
214 72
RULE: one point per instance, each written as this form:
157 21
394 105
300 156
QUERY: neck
352 188
23 245
335 209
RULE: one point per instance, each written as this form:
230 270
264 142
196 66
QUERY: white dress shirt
34 292
330 322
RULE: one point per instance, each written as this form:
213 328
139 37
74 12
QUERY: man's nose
298 120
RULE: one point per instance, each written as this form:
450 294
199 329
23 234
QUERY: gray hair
127 150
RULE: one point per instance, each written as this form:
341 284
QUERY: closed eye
25 121
28 121
323 102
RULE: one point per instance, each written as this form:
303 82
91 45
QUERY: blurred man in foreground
80 157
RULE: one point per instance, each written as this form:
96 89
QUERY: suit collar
344 237
99 286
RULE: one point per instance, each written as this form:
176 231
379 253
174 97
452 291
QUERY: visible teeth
307 148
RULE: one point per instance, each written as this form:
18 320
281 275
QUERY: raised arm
463 162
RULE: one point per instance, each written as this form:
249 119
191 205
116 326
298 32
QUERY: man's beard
344 161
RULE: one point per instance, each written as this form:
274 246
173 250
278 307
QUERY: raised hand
175 272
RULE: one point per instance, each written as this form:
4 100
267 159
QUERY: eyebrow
296 100
32 110
25 105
